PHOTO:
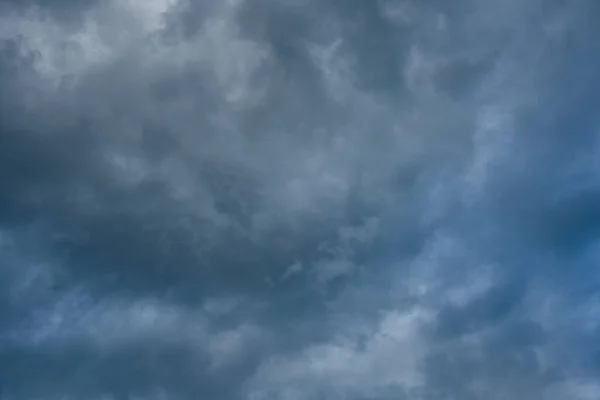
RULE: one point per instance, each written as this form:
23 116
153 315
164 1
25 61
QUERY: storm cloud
306 199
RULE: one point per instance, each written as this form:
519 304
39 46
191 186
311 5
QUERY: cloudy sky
299 199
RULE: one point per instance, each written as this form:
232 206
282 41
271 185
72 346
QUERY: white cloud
113 324
388 357
228 347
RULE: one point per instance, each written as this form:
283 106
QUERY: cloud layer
299 200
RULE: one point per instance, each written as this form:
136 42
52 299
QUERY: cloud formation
299 200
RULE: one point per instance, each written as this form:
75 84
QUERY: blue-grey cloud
299 200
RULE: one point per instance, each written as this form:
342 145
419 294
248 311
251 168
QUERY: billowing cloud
299 200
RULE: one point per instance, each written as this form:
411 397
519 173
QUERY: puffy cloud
305 199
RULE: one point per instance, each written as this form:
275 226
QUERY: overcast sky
299 199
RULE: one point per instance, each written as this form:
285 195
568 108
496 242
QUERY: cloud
306 199
386 359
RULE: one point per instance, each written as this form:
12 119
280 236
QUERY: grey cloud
66 11
311 199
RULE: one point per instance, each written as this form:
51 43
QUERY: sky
299 200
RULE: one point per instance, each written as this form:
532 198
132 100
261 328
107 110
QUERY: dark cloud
68 12
298 200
